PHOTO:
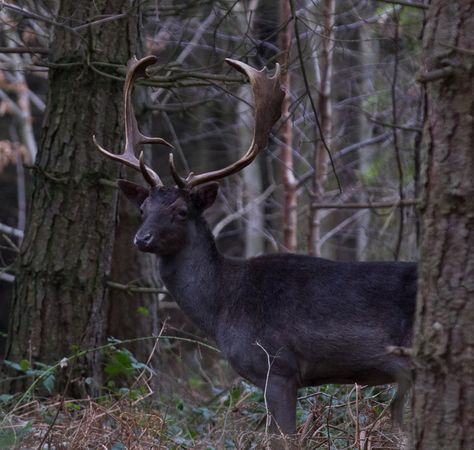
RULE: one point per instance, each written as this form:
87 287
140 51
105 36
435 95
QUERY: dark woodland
197 253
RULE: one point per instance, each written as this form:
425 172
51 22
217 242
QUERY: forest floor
194 401
133 424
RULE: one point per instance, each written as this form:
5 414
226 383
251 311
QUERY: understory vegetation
200 404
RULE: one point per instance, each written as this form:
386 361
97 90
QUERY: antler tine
133 137
268 98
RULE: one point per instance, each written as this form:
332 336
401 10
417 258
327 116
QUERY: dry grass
339 422
87 425
200 405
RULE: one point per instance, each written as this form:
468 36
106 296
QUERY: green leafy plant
36 369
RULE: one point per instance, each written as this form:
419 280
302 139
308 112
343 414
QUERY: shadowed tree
65 259
443 402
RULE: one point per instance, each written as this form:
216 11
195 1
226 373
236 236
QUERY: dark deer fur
316 321
320 321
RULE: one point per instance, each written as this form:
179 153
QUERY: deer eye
182 213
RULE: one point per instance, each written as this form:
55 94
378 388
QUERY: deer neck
192 276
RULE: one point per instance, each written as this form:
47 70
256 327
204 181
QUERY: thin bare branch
374 205
41 50
100 21
406 3
7 277
136 289
308 90
33 15
11 231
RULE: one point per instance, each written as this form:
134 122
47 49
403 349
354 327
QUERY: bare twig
33 15
357 418
11 231
189 48
9 278
99 21
344 151
136 289
400 351
374 205
59 408
108 183
466 51
41 50
308 91
341 226
12 245
269 366
392 125
435 75
242 211
406 3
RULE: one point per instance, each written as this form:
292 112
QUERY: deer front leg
281 401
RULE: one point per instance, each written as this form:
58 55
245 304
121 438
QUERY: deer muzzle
144 241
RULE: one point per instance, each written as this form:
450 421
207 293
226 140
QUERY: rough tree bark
443 401
131 314
66 254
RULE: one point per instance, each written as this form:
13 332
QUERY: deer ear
134 192
204 196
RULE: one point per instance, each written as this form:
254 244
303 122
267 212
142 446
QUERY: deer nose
142 241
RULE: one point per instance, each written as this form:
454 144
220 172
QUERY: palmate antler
133 137
268 97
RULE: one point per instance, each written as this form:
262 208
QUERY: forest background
371 160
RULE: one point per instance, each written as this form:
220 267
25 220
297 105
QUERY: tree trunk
290 213
367 56
263 18
131 314
320 160
134 314
255 219
443 401
66 254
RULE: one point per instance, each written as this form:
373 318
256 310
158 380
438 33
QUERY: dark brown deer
316 321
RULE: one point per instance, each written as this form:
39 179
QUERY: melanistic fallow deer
318 321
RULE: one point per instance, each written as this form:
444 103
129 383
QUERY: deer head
167 211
